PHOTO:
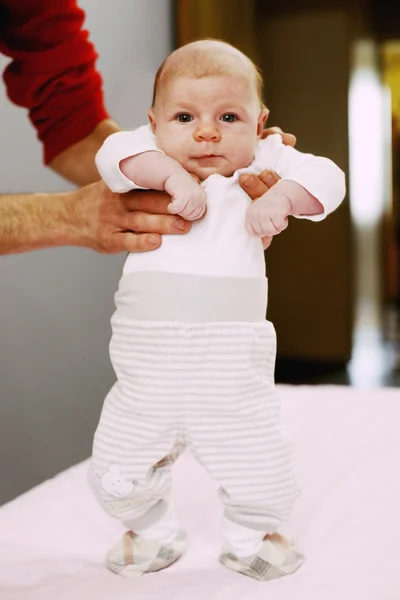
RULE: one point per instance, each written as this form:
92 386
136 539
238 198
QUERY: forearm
77 162
151 169
301 201
35 221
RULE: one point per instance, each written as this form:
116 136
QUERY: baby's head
207 111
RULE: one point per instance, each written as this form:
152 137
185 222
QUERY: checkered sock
276 558
133 556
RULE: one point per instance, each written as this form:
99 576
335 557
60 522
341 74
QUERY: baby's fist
188 197
268 215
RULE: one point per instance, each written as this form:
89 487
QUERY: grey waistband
159 296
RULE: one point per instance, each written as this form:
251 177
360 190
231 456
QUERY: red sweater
52 72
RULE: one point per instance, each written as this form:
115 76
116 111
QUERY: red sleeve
52 72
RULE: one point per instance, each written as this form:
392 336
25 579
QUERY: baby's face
209 125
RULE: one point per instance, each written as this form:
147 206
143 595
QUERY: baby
193 353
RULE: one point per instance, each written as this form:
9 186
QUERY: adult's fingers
269 178
143 222
267 241
135 242
270 131
148 201
287 138
252 185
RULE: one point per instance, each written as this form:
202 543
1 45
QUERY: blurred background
332 77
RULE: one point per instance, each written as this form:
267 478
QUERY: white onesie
194 356
219 244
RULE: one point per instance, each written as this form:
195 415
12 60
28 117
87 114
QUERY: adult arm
52 74
91 217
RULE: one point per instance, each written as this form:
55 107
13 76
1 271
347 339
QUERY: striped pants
208 387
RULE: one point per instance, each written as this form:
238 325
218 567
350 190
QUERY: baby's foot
134 556
276 558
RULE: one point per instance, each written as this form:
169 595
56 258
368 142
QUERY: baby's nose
207 133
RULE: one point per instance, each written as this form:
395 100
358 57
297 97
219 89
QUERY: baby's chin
204 168
204 172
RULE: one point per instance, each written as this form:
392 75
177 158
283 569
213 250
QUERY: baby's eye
184 118
229 118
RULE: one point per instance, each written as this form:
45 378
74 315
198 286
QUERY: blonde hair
206 58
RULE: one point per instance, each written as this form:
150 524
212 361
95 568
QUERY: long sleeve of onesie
116 148
318 175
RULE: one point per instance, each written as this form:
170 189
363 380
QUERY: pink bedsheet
347 451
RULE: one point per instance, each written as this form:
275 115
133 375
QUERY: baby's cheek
175 148
164 142
243 156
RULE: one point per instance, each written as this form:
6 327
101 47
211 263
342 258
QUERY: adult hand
132 222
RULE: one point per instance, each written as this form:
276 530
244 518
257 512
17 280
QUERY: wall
305 60
55 305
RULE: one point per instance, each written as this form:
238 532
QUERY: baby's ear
152 119
262 119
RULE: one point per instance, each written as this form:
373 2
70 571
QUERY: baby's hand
268 215
188 197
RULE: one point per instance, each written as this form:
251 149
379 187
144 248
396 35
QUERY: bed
347 450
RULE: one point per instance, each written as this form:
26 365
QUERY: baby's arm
157 171
131 160
269 214
312 187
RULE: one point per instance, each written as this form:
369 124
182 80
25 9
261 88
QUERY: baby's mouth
207 157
